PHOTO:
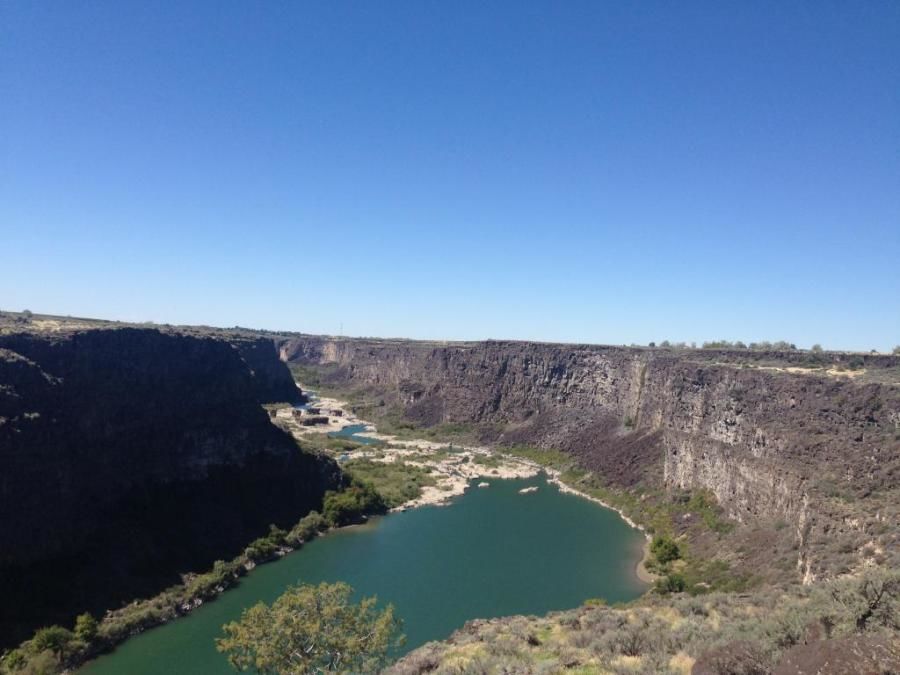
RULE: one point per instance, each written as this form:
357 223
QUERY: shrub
312 629
307 528
717 344
396 482
85 627
276 535
664 549
871 600
671 583
54 639
13 661
261 549
222 574
349 505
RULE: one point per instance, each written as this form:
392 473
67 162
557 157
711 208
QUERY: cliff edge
130 456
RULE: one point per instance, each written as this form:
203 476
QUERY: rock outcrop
128 456
772 438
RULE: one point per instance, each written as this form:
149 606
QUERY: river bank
454 473
455 469
495 552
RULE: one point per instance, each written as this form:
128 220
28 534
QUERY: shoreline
458 475
640 570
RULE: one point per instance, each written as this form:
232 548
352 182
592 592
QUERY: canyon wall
768 440
128 456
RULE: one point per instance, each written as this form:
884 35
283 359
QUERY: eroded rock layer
128 456
787 438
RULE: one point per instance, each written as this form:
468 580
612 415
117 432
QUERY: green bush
85 627
261 549
396 482
266 547
307 528
351 504
312 629
54 639
14 661
665 550
671 583
276 535
222 574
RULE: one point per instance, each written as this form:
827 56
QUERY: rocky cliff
780 438
128 456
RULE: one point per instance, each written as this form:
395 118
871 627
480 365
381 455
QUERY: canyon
130 456
134 454
793 445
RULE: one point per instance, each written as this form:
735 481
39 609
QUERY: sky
607 172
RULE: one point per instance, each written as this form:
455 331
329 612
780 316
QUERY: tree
897 350
312 629
350 504
54 639
871 599
816 348
665 549
85 627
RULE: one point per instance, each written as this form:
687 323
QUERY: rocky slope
783 440
838 628
129 456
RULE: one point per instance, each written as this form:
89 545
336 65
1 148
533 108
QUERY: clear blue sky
573 171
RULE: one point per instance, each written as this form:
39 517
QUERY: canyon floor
453 467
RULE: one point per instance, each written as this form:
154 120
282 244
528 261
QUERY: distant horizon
557 172
650 344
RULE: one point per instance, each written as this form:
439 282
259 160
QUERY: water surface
493 552
352 432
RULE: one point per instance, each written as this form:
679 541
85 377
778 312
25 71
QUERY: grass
314 377
396 482
487 461
550 458
320 442
406 430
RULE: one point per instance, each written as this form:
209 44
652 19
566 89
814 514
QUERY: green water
353 431
493 552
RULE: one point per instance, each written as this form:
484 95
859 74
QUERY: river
492 552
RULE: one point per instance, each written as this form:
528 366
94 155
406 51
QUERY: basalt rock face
129 456
772 444
272 382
